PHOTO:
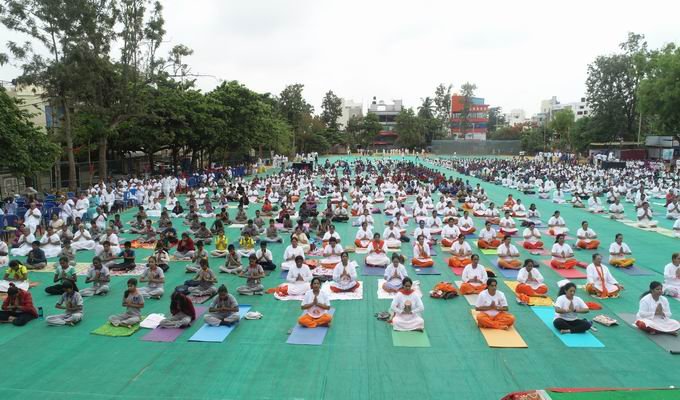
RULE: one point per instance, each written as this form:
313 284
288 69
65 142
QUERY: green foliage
533 140
496 119
507 133
24 149
442 108
296 111
331 110
410 129
432 127
468 92
660 91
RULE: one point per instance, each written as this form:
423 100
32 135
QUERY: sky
516 52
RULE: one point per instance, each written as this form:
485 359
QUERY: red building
477 120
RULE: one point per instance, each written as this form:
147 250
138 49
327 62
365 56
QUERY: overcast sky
516 52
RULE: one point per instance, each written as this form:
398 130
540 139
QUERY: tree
354 130
468 92
496 119
24 149
561 124
431 125
370 127
612 87
410 129
294 109
532 140
331 107
660 91
442 107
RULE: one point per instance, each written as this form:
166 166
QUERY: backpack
443 290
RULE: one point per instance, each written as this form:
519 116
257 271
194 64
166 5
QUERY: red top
185 245
25 302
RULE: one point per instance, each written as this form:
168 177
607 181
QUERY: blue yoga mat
507 273
372 271
217 334
547 314
633 271
309 336
427 271
283 275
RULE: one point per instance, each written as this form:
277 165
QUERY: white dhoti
379 259
407 322
661 324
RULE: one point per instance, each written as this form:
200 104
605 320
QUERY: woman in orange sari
421 254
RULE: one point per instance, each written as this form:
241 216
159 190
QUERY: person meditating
532 238
291 253
493 308
18 307
421 254
394 275
316 307
507 225
331 253
377 256
297 280
562 255
466 225
461 252
344 275
72 303
556 225
620 253
601 282
530 281
567 308
223 310
407 308
133 301
488 237
508 255
182 312
671 275
587 238
654 314
474 277
363 236
492 215
450 232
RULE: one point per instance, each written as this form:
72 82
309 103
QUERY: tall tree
442 107
295 109
431 126
410 129
561 124
660 91
331 111
468 92
24 149
371 126
496 119
612 86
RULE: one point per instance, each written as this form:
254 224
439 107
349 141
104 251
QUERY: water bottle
40 312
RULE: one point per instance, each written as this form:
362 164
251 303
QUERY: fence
476 147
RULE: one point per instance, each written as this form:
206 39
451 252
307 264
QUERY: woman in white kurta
297 279
4 254
363 237
289 255
556 225
331 253
600 281
394 275
50 243
344 275
645 216
82 239
316 306
377 255
654 314
392 236
620 253
407 308
530 281
616 210
32 218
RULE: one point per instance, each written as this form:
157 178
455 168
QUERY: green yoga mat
618 395
489 252
116 331
410 339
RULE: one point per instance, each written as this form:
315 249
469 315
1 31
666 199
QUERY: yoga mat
457 271
501 338
283 275
470 298
200 299
507 273
410 339
566 273
533 301
170 334
116 331
372 271
489 252
547 314
633 271
427 271
239 226
217 334
669 343
308 336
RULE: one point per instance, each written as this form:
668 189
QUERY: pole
639 127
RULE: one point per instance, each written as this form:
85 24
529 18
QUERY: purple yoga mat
372 271
309 336
634 271
170 334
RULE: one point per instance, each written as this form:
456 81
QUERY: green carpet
357 360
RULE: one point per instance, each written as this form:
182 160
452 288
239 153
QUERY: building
32 101
551 106
516 117
387 115
350 109
477 118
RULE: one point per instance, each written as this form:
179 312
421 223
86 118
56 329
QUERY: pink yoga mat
457 271
566 273
170 334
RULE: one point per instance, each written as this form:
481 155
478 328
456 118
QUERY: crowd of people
177 221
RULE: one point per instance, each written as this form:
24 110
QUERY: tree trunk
102 147
175 159
151 162
72 179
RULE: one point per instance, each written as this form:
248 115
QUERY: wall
476 147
